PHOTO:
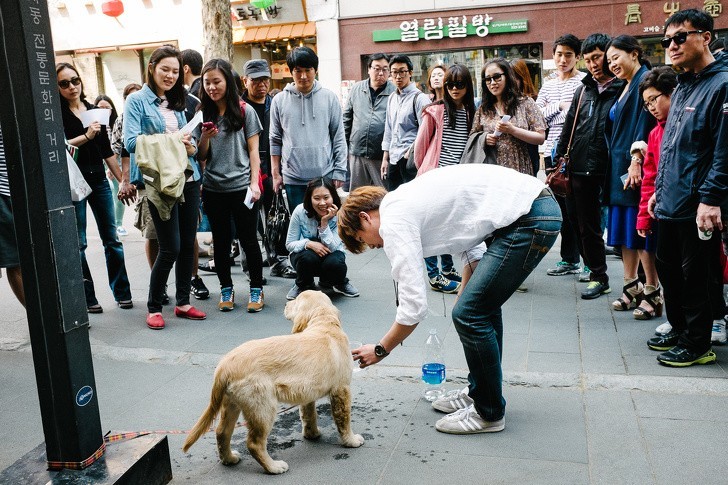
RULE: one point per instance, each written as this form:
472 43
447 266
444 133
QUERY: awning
274 32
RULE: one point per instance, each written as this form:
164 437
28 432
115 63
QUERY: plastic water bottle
433 367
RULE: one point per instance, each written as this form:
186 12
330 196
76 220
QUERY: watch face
379 351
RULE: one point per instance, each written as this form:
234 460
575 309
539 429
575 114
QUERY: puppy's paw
311 434
353 441
231 460
277 467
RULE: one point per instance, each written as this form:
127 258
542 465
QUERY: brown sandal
633 292
654 299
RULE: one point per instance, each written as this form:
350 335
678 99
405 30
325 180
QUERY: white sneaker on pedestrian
718 335
453 401
468 421
663 329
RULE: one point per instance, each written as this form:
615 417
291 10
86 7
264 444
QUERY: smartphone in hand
504 119
208 125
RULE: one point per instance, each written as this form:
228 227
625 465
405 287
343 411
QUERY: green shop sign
451 28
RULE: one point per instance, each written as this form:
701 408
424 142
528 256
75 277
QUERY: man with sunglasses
691 192
404 114
364 115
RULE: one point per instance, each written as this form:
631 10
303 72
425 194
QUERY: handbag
559 180
276 224
80 189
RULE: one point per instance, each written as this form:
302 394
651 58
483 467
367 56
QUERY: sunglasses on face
455 85
495 78
65 83
680 38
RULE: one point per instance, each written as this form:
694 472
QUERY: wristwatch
380 351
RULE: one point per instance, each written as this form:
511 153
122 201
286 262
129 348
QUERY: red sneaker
155 321
191 314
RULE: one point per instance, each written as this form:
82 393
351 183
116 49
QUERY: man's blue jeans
513 253
102 205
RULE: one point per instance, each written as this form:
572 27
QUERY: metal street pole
45 225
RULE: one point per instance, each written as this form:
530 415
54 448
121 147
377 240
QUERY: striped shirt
552 94
4 183
170 118
454 139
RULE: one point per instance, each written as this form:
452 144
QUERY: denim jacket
142 117
303 229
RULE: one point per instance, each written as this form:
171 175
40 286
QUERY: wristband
86 136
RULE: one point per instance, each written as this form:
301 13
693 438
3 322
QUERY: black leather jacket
589 154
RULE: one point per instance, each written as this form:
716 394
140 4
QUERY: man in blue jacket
691 191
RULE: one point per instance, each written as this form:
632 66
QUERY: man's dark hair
699 19
594 42
401 59
376 57
303 57
663 78
718 44
569 40
192 58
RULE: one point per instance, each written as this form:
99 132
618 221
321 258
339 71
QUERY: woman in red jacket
655 90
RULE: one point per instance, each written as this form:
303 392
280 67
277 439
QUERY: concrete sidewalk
587 401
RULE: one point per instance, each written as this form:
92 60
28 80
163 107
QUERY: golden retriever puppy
313 362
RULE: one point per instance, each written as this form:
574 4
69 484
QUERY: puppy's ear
300 323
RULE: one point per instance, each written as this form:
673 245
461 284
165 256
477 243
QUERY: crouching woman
314 244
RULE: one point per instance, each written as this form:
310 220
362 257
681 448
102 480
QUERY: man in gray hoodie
307 138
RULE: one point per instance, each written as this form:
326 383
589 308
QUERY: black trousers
398 175
570 243
692 279
331 269
220 208
584 210
176 237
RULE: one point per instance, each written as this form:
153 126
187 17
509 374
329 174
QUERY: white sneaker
663 329
718 335
468 421
453 401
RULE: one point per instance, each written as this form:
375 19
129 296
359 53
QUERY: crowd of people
647 150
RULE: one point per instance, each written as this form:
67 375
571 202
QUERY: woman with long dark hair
93 150
441 141
314 243
228 143
630 123
159 109
502 96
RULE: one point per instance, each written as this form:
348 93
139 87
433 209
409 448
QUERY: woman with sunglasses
441 141
94 149
629 123
159 109
501 97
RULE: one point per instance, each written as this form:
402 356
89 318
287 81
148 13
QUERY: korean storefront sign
633 13
449 28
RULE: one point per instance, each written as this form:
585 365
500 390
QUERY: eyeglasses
259 80
401 73
680 38
380 70
651 102
495 78
455 84
65 83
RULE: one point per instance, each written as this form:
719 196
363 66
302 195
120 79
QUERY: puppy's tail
203 424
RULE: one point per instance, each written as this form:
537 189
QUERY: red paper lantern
112 8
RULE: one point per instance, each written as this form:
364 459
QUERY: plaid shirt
117 136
